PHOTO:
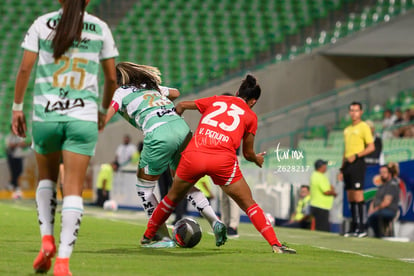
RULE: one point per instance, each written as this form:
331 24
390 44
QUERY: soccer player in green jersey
69 46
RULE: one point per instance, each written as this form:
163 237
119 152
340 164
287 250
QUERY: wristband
17 107
356 156
103 110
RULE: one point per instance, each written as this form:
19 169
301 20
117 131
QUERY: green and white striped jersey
144 109
67 89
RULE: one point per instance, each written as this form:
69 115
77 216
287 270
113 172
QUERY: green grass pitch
108 244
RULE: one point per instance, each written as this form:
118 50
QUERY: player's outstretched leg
262 225
145 191
158 218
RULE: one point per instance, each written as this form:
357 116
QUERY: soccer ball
110 205
270 219
187 233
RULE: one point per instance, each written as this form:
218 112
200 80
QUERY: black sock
360 207
354 214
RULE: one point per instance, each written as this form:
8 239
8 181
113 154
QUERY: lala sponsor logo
64 103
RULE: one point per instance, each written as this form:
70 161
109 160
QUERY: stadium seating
214 38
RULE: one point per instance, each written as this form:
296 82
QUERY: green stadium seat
376 113
316 132
335 138
392 103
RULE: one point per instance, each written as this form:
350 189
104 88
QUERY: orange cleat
62 267
43 261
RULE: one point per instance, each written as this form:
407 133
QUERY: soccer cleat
232 233
164 243
145 241
220 232
349 234
283 249
61 267
361 234
43 261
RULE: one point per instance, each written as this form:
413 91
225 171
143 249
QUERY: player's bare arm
23 75
173 94
248 151
108 66
110 114
182 106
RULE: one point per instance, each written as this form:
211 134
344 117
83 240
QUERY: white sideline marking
407 260
345 251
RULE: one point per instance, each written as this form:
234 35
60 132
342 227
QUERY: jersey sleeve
109 49
116 102
204 103
31 39
251 126
368 138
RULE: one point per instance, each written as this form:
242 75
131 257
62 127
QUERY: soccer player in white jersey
148 107
69 45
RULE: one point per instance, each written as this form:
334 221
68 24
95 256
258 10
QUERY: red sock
262 225
160 215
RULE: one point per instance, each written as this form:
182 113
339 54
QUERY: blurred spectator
376 157
301 217
406 125
125 151
394 170
398 116
388 122
384 206
322 195
104 182
137 154
15 154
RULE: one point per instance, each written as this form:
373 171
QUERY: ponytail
249 89
69 28
140 76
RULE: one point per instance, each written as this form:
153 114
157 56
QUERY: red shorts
222 168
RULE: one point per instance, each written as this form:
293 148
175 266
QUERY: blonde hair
394 168
138 75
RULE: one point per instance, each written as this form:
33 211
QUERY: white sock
145 191
146 195
200 202
46 206
72 210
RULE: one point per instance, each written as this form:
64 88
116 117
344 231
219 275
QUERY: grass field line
321 247
344 251
407 260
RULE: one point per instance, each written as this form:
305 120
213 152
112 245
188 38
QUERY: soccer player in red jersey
225 121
